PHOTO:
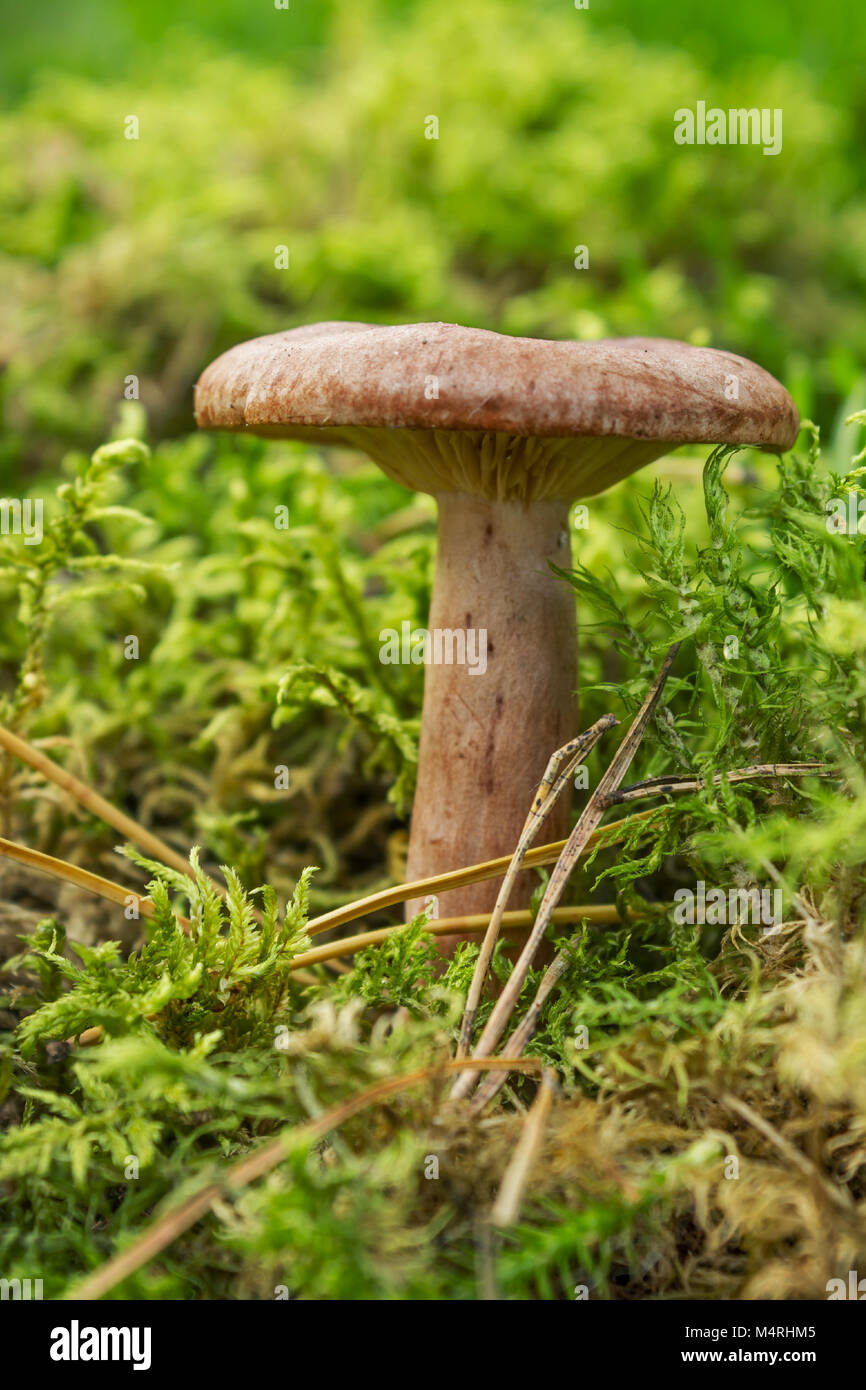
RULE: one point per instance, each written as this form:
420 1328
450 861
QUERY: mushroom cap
445 408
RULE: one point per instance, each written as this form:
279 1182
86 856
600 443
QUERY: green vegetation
257 649
148 256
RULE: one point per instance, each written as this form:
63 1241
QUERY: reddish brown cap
604 408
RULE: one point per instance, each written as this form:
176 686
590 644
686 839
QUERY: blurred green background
305 127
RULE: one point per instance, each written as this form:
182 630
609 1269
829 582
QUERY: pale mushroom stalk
505 433
488 729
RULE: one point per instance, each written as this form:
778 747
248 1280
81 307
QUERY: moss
708 1139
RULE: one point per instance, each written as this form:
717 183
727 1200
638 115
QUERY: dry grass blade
506 1208
534 859
166 1229
576 844
71 873
461 878
473 922
550 789
98 806
93 802
350 912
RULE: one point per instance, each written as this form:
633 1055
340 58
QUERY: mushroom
505 433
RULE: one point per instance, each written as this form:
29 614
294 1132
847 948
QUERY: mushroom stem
488 729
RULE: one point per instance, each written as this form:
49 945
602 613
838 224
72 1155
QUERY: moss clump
708 1140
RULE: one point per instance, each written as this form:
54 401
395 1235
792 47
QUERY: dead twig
525 1030
552 785
661 786
589 822
495 868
